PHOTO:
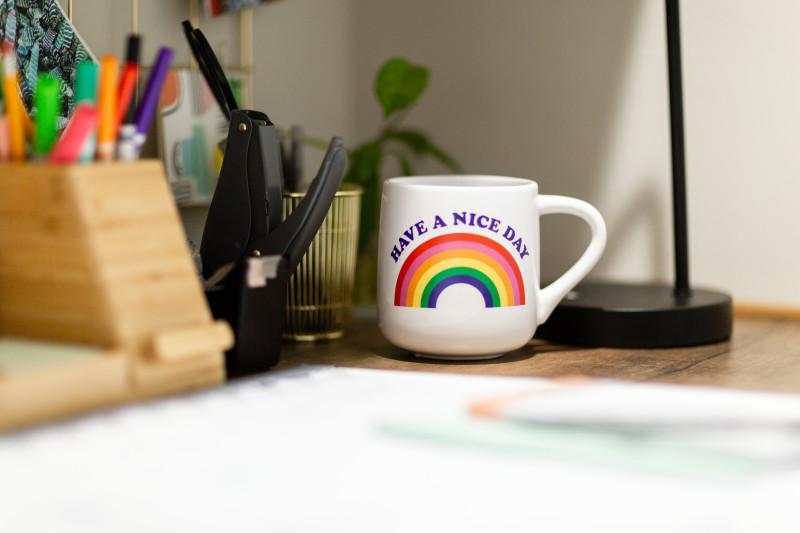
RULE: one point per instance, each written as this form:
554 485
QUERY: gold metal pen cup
319 295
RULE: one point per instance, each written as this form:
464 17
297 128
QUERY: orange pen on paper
107 108
14 109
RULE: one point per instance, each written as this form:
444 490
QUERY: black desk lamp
649 316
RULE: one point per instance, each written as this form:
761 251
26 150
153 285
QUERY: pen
107 108
14 109
126 148
126 145
86 93
5 142
47 102
127 83
5 147
82 124
151 95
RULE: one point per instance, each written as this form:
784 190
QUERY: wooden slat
52 393
97 254
158 379
765 311
188 342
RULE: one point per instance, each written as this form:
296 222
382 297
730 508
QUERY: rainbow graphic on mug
459 258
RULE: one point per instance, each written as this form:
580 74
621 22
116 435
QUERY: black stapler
248 251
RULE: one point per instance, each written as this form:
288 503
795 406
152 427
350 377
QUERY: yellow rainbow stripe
453 259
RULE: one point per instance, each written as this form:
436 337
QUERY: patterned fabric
45 42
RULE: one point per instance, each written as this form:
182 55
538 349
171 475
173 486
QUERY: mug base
446 357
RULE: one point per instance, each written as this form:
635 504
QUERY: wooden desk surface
763 354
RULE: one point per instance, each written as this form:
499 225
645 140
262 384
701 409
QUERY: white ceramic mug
458 263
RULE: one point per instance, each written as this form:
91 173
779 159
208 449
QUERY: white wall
743 118
304 59
573 94
304 52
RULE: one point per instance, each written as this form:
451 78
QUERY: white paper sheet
306 454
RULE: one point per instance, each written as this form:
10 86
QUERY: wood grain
763 354
96 255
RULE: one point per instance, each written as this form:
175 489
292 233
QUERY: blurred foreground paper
309 450
672 429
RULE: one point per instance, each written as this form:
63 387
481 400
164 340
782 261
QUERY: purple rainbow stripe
454 280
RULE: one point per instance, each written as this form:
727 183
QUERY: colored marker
151 95
127 83
107 108
126 144
86 93
14 110
5 142
47 102
82 124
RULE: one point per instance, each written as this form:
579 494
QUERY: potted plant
398 85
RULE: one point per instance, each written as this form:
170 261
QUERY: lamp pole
678 150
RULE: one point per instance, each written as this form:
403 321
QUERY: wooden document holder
95 256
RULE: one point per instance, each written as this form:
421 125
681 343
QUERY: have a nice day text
462 218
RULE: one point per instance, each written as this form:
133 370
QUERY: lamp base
618 315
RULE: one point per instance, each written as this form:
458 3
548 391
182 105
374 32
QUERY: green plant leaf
420 145
405 165
370 213
398 84
365 163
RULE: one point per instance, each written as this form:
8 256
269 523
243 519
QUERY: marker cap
86 82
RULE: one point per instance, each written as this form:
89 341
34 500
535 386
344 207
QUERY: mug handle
549 296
